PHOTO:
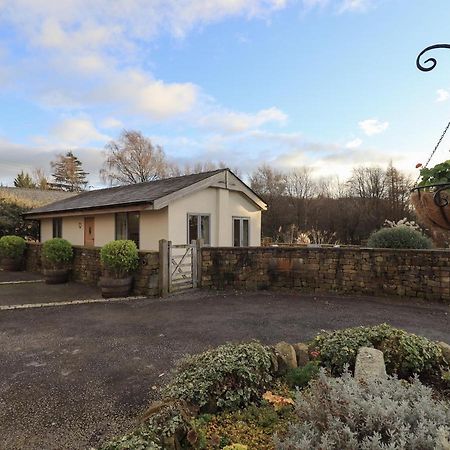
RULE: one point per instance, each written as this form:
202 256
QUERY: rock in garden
287 359
301 351
369 364
445 350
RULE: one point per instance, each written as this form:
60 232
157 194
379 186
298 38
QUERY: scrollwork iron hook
433 61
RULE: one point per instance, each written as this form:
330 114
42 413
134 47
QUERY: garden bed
303 396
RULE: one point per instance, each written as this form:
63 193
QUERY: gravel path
72 376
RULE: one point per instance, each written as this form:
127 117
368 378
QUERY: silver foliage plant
390 414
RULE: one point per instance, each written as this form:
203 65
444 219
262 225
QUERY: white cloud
355 6
111 122
354 143
373 126
76 132
237 122
442 95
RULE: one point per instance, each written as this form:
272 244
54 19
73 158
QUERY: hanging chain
435 148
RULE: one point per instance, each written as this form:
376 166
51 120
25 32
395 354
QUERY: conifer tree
68 173
24 180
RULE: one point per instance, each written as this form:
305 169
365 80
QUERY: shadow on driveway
73 376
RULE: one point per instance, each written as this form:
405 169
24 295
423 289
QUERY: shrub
341 413
405 353
119 258
225 377
56 252
301 376
398 237
12 247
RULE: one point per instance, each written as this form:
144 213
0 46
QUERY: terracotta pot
115 287
12 264
56 276
427 209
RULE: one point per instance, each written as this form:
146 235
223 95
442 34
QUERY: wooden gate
182 266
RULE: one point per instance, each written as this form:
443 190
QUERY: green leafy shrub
56 253
343 414
438 174
225 377
398 237
12 247
301 376
405 353
165 428
119 258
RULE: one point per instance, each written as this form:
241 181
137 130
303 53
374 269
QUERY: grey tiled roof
125 195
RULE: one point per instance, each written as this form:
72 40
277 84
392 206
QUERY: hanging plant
439 174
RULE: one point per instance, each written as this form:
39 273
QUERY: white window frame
199 215
241 229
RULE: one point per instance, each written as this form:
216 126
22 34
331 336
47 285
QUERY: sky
328 84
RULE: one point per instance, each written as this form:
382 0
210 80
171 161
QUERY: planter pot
11 264
56 276
115 287
432 207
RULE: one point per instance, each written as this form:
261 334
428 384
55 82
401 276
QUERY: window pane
245 232
133 227
57 228
121 226
192 229
236 232
204 232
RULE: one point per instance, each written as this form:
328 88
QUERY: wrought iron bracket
441 194
433 61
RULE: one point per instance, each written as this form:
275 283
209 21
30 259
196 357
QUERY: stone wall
409 273
86 267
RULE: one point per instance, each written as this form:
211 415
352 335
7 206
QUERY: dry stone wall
86 267
409 273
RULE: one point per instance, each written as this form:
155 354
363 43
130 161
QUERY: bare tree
300 189
133 158
40 178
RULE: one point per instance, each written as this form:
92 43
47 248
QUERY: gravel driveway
72 376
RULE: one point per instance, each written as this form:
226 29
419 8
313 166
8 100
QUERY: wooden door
89 231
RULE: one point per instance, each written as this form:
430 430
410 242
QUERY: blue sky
325 84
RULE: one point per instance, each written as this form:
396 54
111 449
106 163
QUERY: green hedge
399 237
119 258
12 247
57 252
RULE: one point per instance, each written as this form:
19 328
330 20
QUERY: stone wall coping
435 251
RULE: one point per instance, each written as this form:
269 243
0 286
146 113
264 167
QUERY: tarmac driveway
73 376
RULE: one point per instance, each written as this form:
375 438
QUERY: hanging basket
432 204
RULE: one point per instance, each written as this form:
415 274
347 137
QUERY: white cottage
215 206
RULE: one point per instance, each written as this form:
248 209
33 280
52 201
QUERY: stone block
445 348
369 364
301 352
287 359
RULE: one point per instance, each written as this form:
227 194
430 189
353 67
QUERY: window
198 228
57 227
240 232
127 226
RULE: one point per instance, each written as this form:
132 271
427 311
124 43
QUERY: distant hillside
32 198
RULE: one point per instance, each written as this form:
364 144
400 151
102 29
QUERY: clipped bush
56 253
12 247
342 414
405 353
119 258
226 377
398 237
301 376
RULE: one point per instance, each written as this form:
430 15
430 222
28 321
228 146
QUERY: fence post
199 245
163 268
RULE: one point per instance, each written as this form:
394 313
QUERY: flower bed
252 397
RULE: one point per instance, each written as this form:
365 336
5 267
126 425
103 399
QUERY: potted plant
57 255
430 197
12 249
119 260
